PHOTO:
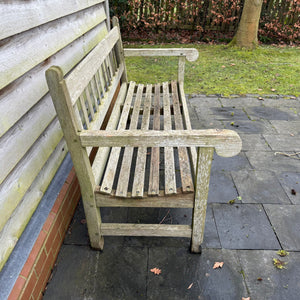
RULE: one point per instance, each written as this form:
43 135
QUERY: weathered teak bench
147 155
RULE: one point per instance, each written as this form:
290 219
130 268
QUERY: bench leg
93 219
204 160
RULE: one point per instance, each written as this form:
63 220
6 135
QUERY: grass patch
226 71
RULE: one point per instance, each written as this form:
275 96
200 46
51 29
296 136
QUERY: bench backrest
84 97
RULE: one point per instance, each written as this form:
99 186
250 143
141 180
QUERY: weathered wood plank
154 162
19 16
181 65
67 119
84 111
226 142
146 230
48 38
191 54
185 171
170 179
17 142
19 97
187 124
205 156
110 172
83 73
139 178
20 217
180 200
124 174
23 175
102 154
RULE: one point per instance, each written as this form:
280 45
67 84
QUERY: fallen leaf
232 64
260 98
218 265
243 298
190 285
223 66
282 253
291 134
260 89
279 264
293 192
273 90
156 271
231 201
259 279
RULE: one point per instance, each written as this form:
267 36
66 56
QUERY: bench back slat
80 77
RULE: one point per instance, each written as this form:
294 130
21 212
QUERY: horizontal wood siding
35 35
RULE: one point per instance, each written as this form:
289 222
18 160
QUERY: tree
246 35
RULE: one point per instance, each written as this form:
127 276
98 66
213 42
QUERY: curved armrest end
231 147
192 54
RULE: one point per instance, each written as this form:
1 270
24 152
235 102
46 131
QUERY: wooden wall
34 35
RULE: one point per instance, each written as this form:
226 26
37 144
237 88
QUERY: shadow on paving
262 184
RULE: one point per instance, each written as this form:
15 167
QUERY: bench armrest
227 143
191 54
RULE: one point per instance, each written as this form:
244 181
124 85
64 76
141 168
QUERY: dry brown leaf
156 271
248 298
218 265
190 285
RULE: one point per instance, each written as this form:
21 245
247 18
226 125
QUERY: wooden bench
148 154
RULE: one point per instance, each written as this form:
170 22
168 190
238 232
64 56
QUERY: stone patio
245 235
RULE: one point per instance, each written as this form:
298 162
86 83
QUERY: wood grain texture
146 230
20 217
28 90
19 16
67 119
179 200
48 39
227 143
124 174
191 54
205 156
140 168
155 159
169 166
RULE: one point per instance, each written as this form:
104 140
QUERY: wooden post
67 118
181 64
204 161
119 49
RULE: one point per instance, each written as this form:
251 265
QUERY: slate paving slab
241 102
170 216
234 163
204 101
254 142
259 187
286 222
276 163
221 187
283 142
244 226
291 184
119 273
275 284
228 113
180 269
286 127
272 113
247 126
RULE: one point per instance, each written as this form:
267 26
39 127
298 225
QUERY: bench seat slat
154 162
185 170
138 182
170 180
124 175
108 180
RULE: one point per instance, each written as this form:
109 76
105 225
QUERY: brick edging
33 278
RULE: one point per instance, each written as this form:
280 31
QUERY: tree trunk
246 35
